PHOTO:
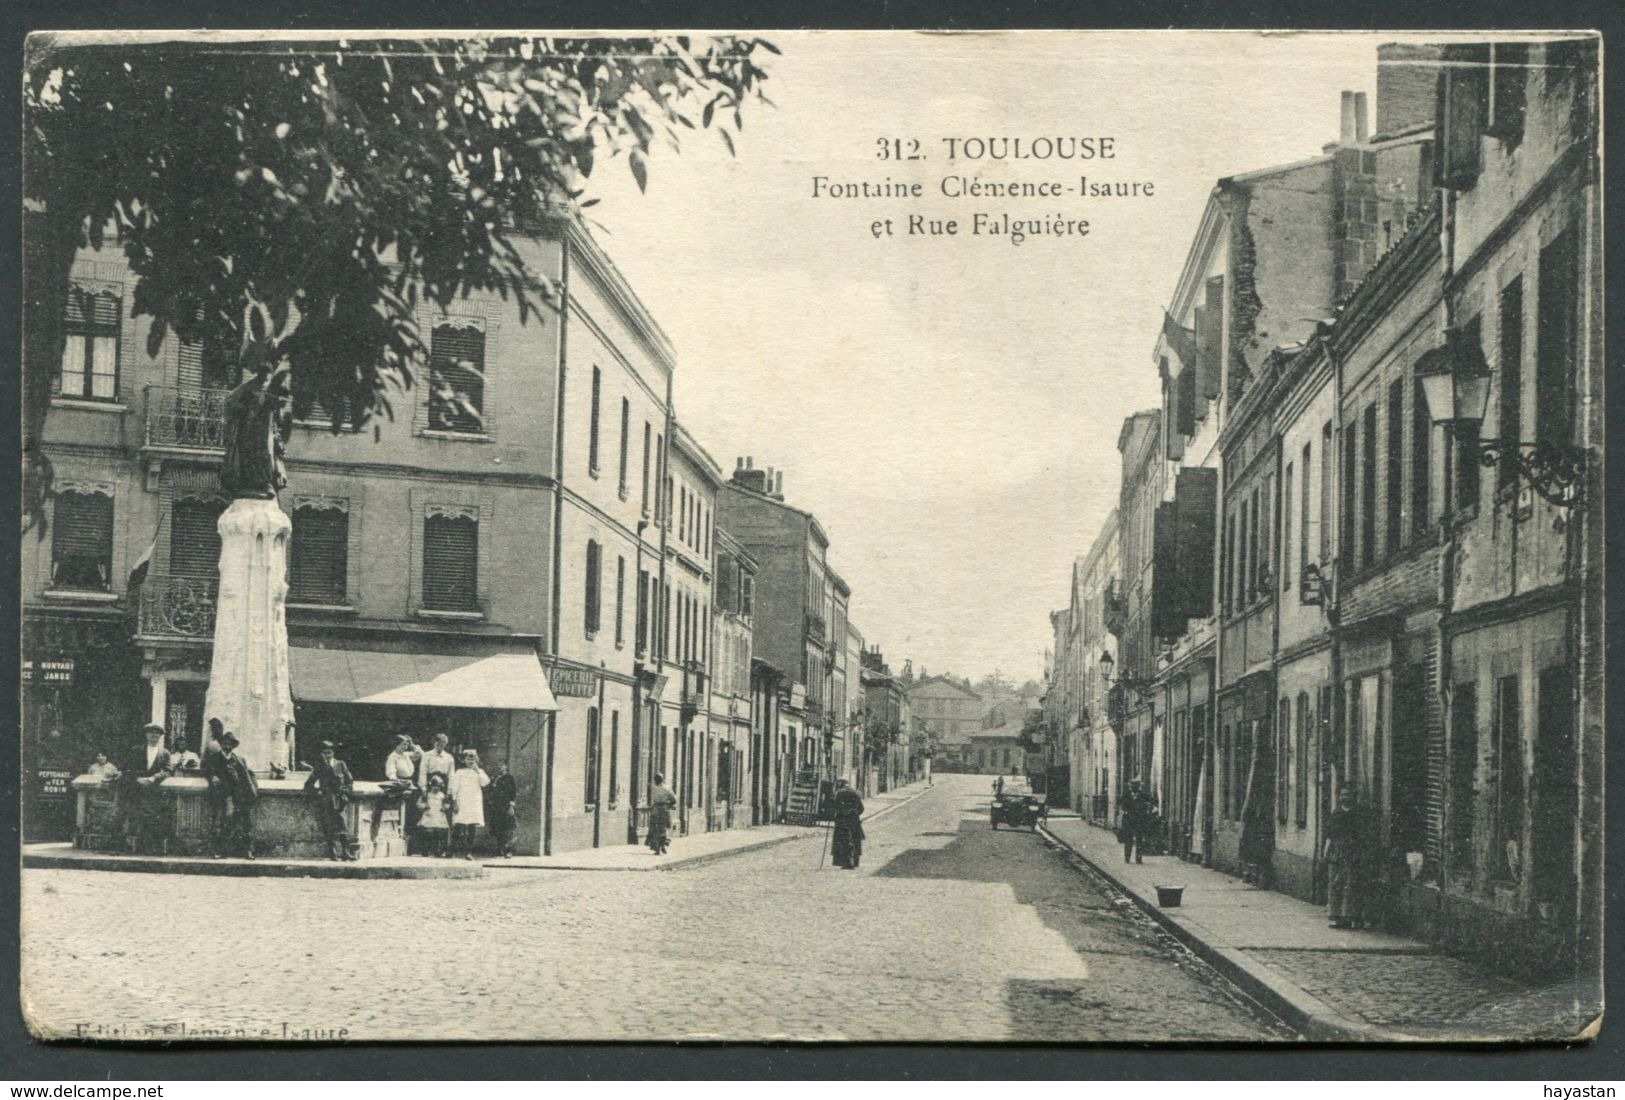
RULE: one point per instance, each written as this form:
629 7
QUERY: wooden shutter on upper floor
318 562
1185 400
194 536
457 361
450 562
1210 343
82 540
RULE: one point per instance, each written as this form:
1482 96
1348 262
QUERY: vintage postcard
830 536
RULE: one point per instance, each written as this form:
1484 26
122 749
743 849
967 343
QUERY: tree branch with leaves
295 202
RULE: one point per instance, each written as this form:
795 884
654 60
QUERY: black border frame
28 1059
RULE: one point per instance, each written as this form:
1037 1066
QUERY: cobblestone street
950 931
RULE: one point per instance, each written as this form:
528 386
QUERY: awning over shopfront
505 681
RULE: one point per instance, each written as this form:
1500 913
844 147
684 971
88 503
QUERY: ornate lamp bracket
1555 471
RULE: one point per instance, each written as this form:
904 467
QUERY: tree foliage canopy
296 201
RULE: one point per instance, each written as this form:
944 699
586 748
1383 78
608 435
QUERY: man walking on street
1132 829
331 783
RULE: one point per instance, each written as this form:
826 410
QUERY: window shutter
92 310
727 589
1511 78
319 555
1210 341
194 537
747 585
592 594
457 362
82 541
450 563
1185 400
190 375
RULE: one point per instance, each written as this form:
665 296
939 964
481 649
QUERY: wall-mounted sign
576 683
53 782
53 671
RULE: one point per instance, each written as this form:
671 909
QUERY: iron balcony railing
186 417
170 606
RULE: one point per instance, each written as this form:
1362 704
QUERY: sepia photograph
1034 537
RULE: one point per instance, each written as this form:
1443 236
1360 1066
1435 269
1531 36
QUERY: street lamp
1456 384
1140 687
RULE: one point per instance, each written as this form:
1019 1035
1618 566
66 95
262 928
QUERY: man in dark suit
232 786
146 767
331 784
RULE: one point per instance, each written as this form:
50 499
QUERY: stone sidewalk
1333 985
65 857
697 848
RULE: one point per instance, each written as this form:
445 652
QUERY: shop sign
55 671
575 683
53 782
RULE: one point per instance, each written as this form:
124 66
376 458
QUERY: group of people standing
449 798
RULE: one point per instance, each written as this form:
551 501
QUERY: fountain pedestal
248 674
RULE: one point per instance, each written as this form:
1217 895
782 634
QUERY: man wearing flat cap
232 784
146 767
330 784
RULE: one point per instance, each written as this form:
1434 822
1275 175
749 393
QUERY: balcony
185 419
1114 609
169 606
815 628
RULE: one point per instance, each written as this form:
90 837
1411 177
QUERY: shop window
1463 776
1300 773
82 541
1507 768
451 562
1285 765
457 379
194 536
319 554
89 368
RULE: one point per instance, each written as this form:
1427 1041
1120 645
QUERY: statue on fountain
258 414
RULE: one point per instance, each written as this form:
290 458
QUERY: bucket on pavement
1169 897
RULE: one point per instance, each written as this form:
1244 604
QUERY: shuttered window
590 772
1466 433
626 428
592 439
194 537
206 366
1462 110
90 352
620 601
594 585
1393 528
319 556
82 541
457 379
643 611
1510 424
1557 339
451 563
746 592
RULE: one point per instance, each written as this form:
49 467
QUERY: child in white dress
468 785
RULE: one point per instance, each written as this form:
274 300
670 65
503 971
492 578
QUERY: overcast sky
949 408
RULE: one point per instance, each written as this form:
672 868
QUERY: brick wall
1407 77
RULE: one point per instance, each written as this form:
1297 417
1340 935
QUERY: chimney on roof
747 476
739 462
1361 131
1345 129
778 484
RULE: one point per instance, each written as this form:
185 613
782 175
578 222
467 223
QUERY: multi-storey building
1093 751
790 627
729 714
951 711
1132 694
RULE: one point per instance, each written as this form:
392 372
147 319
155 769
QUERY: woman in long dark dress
661 801
1342 856
848 840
